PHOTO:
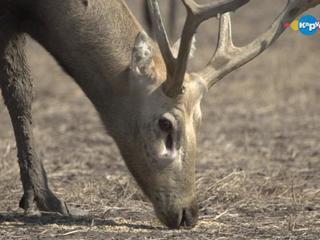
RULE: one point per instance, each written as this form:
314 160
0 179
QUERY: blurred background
258 172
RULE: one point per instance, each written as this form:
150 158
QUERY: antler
228 57
196 14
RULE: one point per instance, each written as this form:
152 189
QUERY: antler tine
196 14
206 11
225 42
161 36
227 57
225 50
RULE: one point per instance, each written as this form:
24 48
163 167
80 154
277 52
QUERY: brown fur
96 42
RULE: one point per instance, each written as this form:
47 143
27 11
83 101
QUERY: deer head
162 113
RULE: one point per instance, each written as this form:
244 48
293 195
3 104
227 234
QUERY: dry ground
259 150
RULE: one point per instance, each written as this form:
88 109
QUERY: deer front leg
16 88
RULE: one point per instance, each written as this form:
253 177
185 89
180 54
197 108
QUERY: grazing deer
145 98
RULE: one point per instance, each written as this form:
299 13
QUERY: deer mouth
189 218
185 218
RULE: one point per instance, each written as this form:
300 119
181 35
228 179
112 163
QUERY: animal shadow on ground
53 218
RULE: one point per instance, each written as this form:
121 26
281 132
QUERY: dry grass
259 151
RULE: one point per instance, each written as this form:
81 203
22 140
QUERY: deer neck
91 40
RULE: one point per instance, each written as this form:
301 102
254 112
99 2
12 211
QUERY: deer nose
187 217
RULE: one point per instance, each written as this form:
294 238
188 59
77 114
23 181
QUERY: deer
147 100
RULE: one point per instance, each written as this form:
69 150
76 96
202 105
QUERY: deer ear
142 55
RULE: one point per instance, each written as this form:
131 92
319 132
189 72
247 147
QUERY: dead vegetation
259 151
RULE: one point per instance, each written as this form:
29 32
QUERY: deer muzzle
184 217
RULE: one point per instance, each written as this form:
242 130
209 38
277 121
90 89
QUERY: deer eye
165 125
